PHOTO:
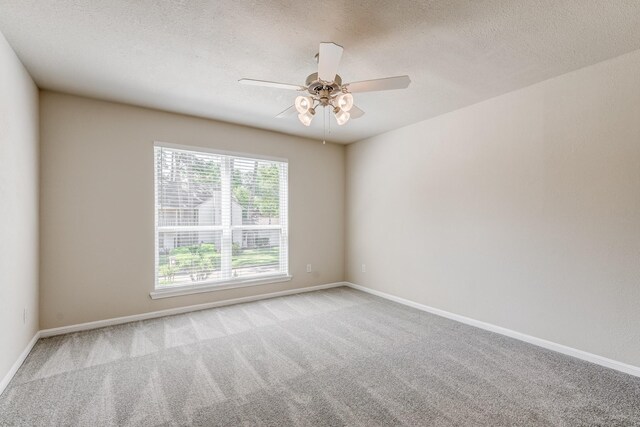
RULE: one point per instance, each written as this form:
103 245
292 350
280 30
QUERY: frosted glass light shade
345 101
305 118
342 116
303 104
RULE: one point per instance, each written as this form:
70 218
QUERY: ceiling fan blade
328 59
266 83
288 112
355 112
389 83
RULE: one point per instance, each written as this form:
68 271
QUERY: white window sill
177 291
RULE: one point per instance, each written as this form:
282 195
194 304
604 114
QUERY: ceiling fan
326 89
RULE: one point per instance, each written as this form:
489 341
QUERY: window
220 219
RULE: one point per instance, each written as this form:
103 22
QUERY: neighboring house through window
220 218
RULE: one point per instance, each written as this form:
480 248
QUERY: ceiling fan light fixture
345 101
303 104
342 116
326 89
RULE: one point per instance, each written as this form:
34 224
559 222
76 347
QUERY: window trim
218 285
249 156
176 291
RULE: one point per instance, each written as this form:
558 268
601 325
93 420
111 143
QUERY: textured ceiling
186 56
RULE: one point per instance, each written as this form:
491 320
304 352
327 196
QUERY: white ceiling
186 56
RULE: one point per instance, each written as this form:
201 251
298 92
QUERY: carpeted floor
331 358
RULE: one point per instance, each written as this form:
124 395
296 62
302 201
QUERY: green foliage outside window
199 261
257 190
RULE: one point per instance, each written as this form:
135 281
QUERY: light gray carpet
330 358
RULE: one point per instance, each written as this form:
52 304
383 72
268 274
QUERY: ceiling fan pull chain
324 126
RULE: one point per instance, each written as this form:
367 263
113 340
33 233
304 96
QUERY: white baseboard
569 351
14 368
179 310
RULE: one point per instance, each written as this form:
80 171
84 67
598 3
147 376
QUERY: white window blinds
219 218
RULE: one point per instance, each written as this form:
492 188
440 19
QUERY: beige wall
18 208
522 211
97 242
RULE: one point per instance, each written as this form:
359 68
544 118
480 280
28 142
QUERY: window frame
228 282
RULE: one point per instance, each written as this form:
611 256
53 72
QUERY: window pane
188 188
255 252
188 257
206 233
255 192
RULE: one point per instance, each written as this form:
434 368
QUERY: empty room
319 213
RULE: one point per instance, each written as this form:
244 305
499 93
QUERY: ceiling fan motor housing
314 85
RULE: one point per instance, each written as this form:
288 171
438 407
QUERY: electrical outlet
364 268
308 268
